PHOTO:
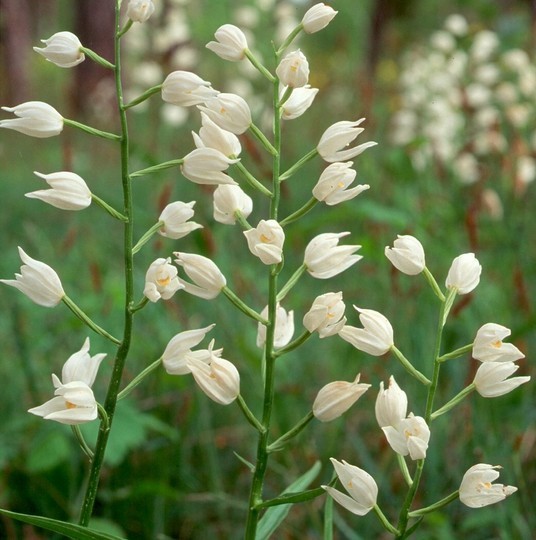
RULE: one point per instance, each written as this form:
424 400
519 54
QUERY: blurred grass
172 470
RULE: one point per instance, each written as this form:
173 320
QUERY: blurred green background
171 470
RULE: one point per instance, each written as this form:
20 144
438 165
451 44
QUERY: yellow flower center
265 239
497 344
70 405
163 281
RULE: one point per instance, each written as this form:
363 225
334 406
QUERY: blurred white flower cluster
466 106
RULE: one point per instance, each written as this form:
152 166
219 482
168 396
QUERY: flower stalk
92 130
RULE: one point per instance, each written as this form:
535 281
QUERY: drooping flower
491 379
231 43
68 191
391 404
359 484
376 336
333 143
298 102
186 89
317 17
35 118
293 70
207 279
284 327
37 281
406 255
229 111
213 136
228 200
489 347
174 219
324 258
464 273
62 49
161 280
326 315
409 436
266 241
477 488
205 166
140 10
334 399
332 185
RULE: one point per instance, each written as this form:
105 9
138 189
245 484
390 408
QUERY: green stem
250 417
122 352
92 130
262 139
436 506
404 469
251 180
140 305
146 95
453 402
97 58
293 344
280 443
433 283
242 220
410 495
291 282
289 39
242 306
409 367
147 236
384 521
82 442
138 379
157 168
299 164
457 353
89 322
251 57
125 29
110 209
309 205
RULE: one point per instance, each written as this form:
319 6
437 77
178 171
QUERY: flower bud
391 404
228 200
186 89
332 184
35 118
140 10
334 399
37 281
410 436
231 43
266 241
489 347
293 70
68 191
284 327
213 136
207 279
317 18
337 137
174 219
205 166
298 102
406 255
464 273
376 336
491 379
326 315
62 49
161 280
229 111
477 489
324 258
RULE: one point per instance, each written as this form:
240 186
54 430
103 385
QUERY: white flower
359 484
174 219
293 70
317 18
406 255
464 273
207 279
74 402
284 327
213 136
205 166
456 24
219 379
62 49
409 436
334 399
179 350
68 191
324 258
229 111
491 379
376 336
186 89
391 404
337 137
266 241
326 315
37 281
35 118
477 489
332 184
231 43
140 10
161 280
228 200
298 102
489 347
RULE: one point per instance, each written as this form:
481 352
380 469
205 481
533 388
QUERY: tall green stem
122 352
